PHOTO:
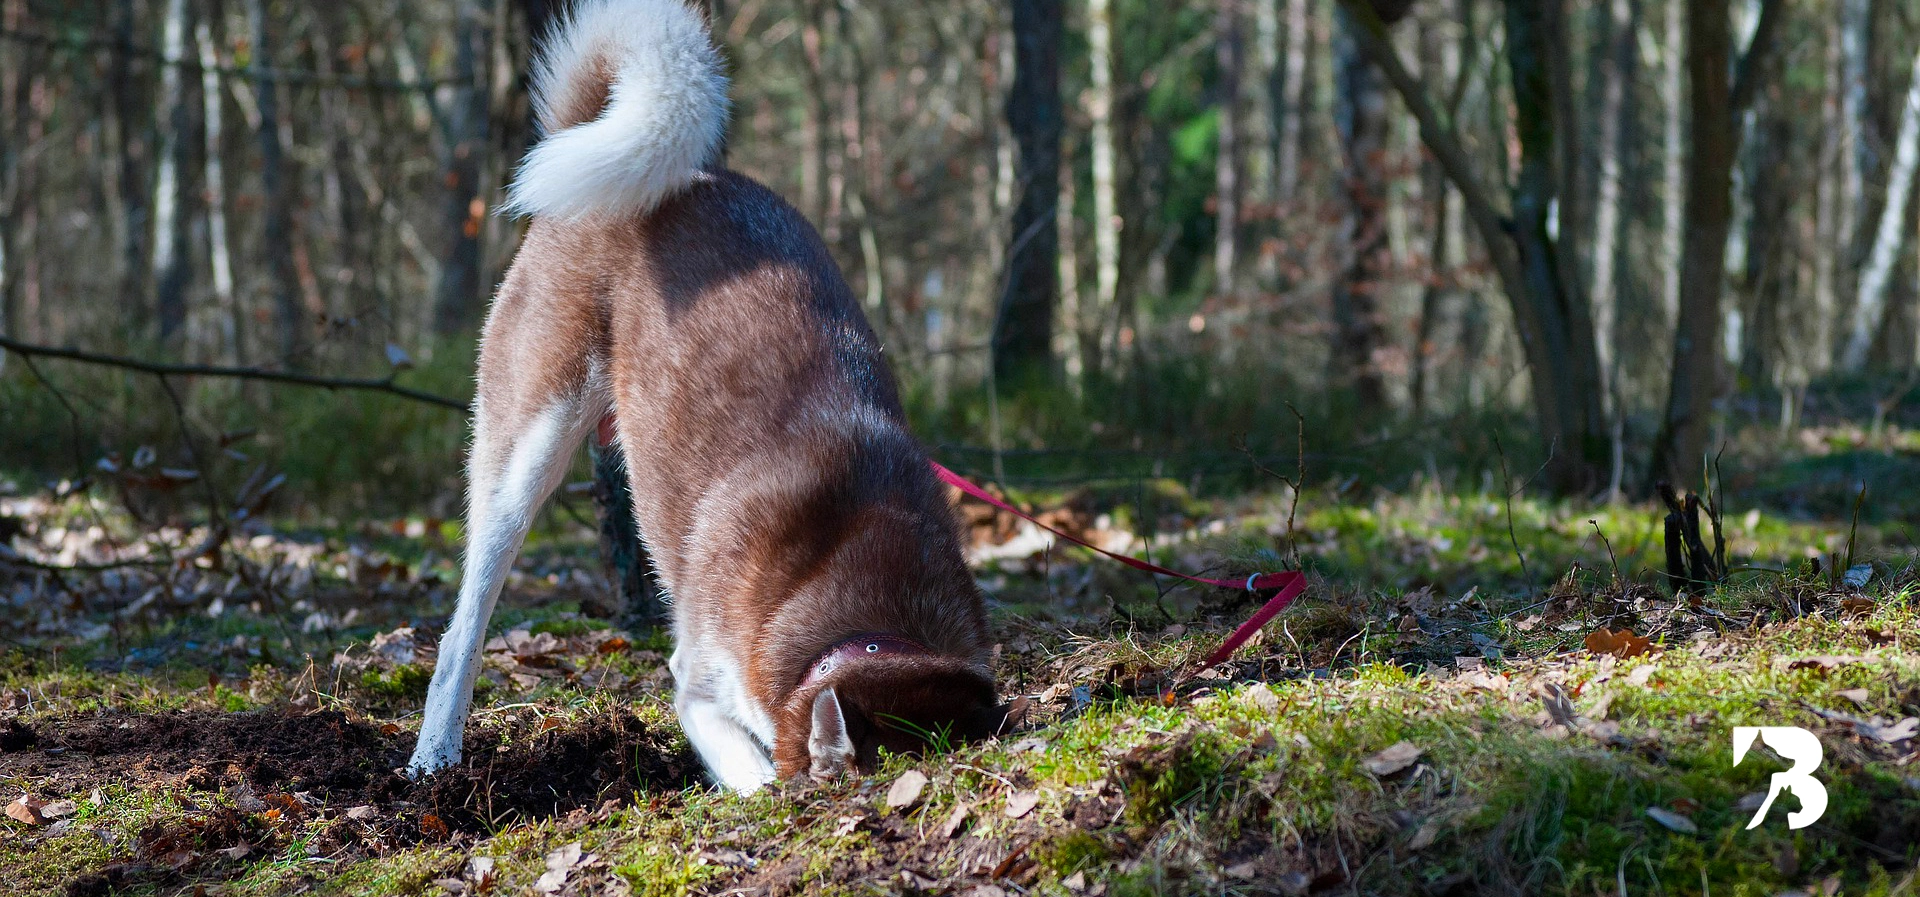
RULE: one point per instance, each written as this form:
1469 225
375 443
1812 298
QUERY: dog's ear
829 745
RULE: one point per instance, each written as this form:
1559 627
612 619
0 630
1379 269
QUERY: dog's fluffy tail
633 102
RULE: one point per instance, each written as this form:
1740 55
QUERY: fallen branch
163 369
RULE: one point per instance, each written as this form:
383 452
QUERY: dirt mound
283 775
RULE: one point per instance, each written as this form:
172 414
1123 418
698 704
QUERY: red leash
1290 584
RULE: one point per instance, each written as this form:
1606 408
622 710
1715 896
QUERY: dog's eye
873 647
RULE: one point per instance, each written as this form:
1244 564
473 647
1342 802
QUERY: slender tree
459 294
171 269
276 240
1714 108
1023 328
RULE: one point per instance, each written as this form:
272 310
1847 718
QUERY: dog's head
902 702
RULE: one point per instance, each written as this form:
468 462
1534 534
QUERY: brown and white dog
821 606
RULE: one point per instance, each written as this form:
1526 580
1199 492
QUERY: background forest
1616 232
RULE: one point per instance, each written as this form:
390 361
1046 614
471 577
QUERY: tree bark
171 271
1565 324
129 124
1360 122
1023 328
1695 380
458 297
1226 165
226 310
1870 303
1106 201
1608 224
277 210
1293 100
1714 107
1674 157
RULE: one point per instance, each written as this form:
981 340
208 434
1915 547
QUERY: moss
406 682
1072 852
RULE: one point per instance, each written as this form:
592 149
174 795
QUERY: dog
822 609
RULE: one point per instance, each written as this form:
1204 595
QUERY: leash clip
1251 578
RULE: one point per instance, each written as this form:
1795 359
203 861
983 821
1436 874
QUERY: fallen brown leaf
1394 759
906 789
26 808
1020 803
956 821
1622 644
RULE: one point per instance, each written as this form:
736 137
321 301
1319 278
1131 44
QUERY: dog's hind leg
535 406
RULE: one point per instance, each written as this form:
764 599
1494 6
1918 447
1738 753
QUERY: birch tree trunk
225 312
1870 303
1673 141
1608 224
170 266
1226 166
1106 203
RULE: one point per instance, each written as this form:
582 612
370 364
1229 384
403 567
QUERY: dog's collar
848 650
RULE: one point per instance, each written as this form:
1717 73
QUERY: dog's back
821 605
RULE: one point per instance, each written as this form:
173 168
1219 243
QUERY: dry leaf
363 812
451 885
1398 757
1642 674
1076 882
1020 803
1857 695
1246 871
1261 697
1622 644
956 821
1424 838
906 789
847 825
235 852
58 809
26 809
1824 663
560 864
1672 821
1856 607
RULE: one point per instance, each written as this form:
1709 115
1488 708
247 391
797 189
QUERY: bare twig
1507 494
162 369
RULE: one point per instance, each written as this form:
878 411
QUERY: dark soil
282 771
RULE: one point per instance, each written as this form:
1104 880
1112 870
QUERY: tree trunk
1870 303
277 210
171 270
225 311
1567 351
1106 201
1226 165
1674 144
1360 121
1023 328
1608 224
458 295
1695 382
129 123
1293 100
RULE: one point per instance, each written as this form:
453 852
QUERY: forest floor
1476 695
